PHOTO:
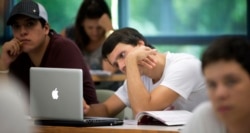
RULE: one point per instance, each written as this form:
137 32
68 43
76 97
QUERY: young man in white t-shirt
155 81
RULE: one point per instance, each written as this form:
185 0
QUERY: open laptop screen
56 93
56 98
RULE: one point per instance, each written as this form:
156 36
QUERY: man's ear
140 43
47 28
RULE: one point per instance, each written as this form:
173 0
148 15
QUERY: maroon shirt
60 53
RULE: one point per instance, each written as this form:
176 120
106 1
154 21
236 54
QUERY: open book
168 117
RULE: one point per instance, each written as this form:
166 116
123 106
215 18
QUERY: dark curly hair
228 48
125 35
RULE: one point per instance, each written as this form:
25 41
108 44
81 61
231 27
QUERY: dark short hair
126 35
228 48
43 22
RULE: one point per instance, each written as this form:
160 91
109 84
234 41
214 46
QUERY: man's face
229 90
29 32
118 55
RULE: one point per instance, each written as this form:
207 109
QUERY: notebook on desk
56 98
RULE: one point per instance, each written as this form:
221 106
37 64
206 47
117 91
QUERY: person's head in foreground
14 109
226 66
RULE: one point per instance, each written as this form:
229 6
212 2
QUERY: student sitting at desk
92 25
226 66
155 81
36 45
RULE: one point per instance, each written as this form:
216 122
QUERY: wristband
4 71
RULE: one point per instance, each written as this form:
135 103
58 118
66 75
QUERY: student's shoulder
57 38
204 120
204 114
204 108
61 41
176 61
180 56
63 45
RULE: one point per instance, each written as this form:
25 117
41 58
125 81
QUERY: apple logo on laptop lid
54 94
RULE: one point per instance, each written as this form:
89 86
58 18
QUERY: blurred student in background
36 45
226 66
92 26
14 109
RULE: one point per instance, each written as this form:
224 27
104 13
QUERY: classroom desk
110 129
113 77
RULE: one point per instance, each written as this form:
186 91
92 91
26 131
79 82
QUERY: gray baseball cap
28 8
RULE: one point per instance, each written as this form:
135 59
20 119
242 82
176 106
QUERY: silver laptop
56 97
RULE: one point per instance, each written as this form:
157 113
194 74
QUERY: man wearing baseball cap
34 44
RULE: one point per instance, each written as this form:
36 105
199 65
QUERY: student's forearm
138 95
97 110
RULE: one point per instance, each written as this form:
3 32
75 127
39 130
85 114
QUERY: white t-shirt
182 74
204 120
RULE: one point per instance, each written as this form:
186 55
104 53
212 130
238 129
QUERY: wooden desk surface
109 129
113 77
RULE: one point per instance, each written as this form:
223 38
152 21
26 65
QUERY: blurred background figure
226 67
92 26
14 109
